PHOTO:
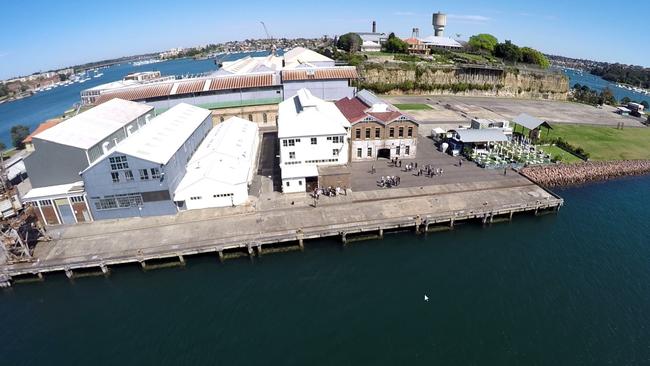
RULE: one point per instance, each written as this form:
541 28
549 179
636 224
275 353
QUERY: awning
480 135
530 122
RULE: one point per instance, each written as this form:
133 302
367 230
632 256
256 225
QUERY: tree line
618 73
507 50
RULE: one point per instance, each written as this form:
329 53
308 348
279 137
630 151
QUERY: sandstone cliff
422 78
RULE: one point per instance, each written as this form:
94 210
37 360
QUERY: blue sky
40 35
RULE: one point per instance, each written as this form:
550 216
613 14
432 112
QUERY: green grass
560 155
413 107
606 142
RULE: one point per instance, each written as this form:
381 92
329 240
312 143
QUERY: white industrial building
312 133
222 168
64 150
139 176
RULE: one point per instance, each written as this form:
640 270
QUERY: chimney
374 27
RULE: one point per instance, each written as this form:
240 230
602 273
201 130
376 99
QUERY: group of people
572 174
329 192
388 181
429 171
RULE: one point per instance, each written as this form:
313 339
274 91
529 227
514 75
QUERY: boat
98 75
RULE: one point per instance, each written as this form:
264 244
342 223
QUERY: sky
39 35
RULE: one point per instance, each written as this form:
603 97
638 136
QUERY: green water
571 289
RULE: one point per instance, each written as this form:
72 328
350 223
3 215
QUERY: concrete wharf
282 223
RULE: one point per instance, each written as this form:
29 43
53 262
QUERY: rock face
410 78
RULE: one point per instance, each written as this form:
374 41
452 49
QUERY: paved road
508 108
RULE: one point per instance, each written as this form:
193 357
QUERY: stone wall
409 78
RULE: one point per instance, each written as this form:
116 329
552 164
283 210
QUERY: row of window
293 162
391 132
119 201
118 162
292 155
74 199
321 161
407 151
289 183
196 198
312 141
128 175
265 118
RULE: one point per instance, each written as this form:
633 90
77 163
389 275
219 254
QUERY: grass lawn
606 142
560 155
412 107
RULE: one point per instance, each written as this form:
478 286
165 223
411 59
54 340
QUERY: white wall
304 150
211 197
293 185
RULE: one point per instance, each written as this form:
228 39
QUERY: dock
268 225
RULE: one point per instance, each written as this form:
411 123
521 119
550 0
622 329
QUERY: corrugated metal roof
530 122
191 86
94 125
481 135
186 87
342 72
242 81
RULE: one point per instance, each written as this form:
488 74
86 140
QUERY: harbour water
571 288
34 110
598 83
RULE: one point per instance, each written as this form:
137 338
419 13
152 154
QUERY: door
65 211
383 154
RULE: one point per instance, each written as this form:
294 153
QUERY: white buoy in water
426 298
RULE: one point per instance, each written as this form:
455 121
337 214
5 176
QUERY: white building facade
312 133
222 168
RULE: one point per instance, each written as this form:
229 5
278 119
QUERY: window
291 142
314 140
250 117
128 175
357 133
359 152
335 139
195 198
410 132
118 162
265 118
221 119
335 152
155 173
45 202
299 182
77 199
391 132
367 133
115 176
377 133
397 150
292 154
106 204
119 201
288 184
370 152
401 132
144 174
407 150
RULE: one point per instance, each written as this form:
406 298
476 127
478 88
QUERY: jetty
279 223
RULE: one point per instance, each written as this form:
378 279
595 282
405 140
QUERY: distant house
29 146
378 129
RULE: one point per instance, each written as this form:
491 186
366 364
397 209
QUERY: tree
18 134
533 56
607 97
508 51
625 100
483 41
350 42
395 45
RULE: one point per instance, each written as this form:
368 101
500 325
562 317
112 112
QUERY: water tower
439 23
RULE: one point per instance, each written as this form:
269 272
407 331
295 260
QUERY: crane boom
268 35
